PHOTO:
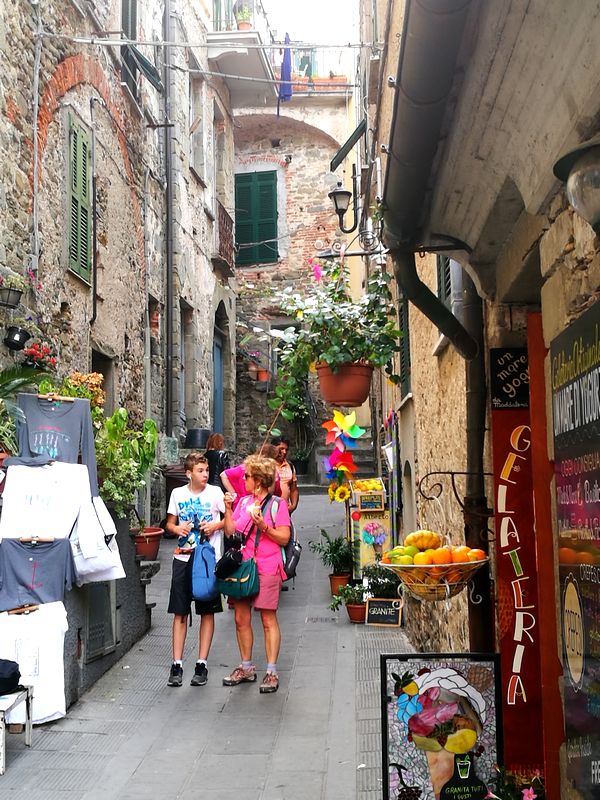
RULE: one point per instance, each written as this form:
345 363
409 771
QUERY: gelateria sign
516 559
575 381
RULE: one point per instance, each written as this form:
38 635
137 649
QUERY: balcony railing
241 15
223 250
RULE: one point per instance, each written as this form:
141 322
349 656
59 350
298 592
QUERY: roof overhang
230 52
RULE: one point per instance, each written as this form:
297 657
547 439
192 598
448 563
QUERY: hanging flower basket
16 337
434 581
10 297
349 385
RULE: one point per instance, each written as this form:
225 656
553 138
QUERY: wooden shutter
80 221
129 28
256 217
404 346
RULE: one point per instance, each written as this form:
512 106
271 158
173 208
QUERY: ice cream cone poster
439 726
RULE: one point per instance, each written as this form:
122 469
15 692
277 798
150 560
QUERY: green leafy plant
13 380
243 13
14 281
349 594
124 456
334 551
86 385
335 330
382 582
27 324
516 786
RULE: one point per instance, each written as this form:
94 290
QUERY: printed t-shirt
268 557
206 506
34 573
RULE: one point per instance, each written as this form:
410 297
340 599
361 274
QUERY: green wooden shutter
444 280
256 217
80 221
404 346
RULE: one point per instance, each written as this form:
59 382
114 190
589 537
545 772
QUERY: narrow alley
132 737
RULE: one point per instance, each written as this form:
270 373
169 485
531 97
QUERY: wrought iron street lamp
341 201
580 169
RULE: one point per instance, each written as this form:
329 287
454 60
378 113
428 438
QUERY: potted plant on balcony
243 16
11 289
336 553
341 338
353 597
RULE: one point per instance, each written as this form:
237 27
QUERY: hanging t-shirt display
33 573
59 429
36 642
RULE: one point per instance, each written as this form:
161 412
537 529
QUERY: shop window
256 218
79 194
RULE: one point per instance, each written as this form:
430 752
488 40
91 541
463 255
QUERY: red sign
516 575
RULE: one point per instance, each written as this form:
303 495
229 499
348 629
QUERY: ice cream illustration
443 714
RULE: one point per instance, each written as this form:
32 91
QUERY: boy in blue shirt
194 511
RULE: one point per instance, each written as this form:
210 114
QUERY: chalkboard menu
509 377
575 381
439 725
384 611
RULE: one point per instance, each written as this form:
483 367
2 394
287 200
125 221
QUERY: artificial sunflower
331 491
342 493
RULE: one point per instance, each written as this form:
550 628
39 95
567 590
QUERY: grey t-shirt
61 430
34 573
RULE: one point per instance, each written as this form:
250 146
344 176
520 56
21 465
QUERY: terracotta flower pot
336 581
244 25
263 374
349 385
357 613
147 542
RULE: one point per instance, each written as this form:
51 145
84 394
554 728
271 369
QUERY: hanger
35 539
23 609
53 397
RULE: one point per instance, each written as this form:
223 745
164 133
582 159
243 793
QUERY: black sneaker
176 675
200 675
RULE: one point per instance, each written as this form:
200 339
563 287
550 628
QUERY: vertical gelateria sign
575 378
516 583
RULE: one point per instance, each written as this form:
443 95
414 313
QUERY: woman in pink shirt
255 512
233 478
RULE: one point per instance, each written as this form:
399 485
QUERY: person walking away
255 512
194 511
233 478
286 473
218 459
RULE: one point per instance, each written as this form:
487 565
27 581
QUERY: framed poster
440 725
575 381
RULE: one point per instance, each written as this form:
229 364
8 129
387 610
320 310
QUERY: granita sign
516 561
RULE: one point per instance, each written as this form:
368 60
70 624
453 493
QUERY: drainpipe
169 226
147 361
425 300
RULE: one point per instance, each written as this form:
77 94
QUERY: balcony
234 48
222 257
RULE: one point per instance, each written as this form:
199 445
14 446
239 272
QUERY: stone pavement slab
131 737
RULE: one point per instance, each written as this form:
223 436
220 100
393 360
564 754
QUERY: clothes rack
35 539
52 397
23 609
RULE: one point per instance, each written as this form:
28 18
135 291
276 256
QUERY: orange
423 558
460 555
475 554
442 555
584 558
566 555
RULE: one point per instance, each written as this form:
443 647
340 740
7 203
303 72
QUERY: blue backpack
204 581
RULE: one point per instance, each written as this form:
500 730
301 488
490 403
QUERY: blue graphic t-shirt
207 506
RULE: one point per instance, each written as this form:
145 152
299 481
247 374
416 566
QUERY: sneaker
240 675
270 683
176 675
200 675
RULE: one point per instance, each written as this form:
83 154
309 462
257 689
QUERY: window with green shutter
80 212
256 218
404 346
129 68
444 280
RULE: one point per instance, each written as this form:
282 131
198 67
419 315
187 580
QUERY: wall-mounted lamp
341 200
580 169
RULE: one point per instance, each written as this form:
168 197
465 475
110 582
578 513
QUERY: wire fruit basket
435 581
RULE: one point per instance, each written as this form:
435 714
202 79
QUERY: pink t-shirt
235 476
268 556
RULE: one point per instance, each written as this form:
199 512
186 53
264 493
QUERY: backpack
204 580
291 552
9 676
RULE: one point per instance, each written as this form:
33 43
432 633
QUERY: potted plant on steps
343 339
336 553
146 537
353 597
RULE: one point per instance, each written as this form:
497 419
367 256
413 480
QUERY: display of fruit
368 485
424 540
